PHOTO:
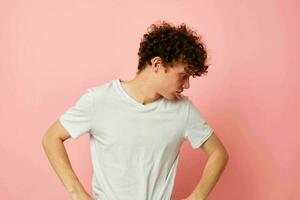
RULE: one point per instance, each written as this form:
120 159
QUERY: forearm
211 174
58 158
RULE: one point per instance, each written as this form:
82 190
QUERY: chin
173 97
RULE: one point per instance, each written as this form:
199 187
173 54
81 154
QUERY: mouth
178 93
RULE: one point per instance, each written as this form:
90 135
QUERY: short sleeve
78 118
197 130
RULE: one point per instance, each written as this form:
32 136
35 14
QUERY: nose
186 84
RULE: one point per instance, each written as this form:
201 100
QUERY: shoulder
103 94
178 105
102 86
101 89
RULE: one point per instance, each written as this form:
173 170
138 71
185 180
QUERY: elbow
225 158
223 155
48 139
45 140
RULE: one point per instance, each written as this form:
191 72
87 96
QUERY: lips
178 93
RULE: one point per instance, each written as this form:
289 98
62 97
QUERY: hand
81 196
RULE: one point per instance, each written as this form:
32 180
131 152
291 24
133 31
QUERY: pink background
51 51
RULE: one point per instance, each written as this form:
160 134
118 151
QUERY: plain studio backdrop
51 51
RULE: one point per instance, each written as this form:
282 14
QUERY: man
137 126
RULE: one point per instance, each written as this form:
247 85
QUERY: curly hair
173 44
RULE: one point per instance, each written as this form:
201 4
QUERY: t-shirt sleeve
197 130
77 120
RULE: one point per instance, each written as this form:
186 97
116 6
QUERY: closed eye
185 76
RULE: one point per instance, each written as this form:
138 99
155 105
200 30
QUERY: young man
137 127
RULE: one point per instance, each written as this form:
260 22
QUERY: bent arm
53 144
214 167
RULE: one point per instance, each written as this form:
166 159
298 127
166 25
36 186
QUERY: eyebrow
185 72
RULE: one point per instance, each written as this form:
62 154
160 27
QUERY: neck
141 88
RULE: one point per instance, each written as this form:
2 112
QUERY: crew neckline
132 100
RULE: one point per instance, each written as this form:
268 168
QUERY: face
173 82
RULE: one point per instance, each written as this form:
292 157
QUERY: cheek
172 87
167 87
169 84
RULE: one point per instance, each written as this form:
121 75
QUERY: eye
183 76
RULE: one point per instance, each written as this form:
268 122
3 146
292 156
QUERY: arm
217 160
54 148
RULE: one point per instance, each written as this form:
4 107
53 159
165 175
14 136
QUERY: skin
148 86
154 83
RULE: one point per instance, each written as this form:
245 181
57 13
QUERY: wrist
76 190
79 194
198 196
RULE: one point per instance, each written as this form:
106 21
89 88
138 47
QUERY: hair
173 44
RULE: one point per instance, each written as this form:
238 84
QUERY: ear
156 60
156 63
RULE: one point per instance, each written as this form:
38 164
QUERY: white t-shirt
134 147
